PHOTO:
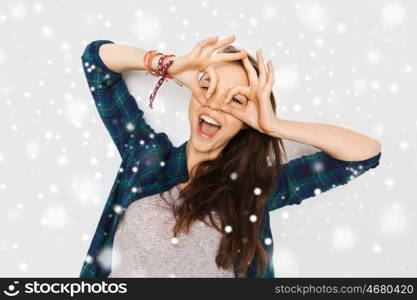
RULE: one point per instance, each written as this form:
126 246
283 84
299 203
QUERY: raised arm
345 154
311 175
103 64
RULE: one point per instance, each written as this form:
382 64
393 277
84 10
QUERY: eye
205 87
236 100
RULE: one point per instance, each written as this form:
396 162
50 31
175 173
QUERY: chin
202 145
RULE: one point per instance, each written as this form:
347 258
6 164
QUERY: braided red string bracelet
160 68
163 71
163 63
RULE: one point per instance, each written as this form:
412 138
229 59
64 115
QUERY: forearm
121 58
339 142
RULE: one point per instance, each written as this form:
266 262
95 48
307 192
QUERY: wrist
278 128
172 70
154 63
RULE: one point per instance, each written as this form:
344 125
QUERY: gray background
350 63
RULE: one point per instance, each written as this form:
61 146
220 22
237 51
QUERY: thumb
199 95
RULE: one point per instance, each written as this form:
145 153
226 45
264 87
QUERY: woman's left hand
258 112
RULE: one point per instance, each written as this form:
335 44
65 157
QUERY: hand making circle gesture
186 69
258 112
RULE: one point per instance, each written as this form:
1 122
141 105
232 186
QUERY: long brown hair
234 185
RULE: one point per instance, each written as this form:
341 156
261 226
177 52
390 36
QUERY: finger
198 93
200 45
220 43
222 57
271 79
243 90
253 77
261 66
265 101
213 81
235 112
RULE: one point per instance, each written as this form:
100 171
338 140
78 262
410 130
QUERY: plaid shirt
151 164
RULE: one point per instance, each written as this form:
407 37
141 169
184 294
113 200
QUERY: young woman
202 209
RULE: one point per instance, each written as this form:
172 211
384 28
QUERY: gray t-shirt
144 244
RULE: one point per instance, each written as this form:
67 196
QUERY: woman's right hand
185 69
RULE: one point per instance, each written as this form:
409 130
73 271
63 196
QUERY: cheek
233 124
194 103
193 109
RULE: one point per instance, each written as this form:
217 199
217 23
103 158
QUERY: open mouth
207 126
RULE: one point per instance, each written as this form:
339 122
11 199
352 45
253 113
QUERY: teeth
209 120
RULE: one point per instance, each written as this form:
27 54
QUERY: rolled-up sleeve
117 108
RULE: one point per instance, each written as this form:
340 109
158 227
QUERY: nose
216 100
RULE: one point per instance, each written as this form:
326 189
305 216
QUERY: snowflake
228 228
233 175
257 191
317 191
130 126
89 259
117 209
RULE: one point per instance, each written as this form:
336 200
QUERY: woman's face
230 74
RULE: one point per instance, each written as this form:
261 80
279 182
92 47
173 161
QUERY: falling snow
352 65
228 228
